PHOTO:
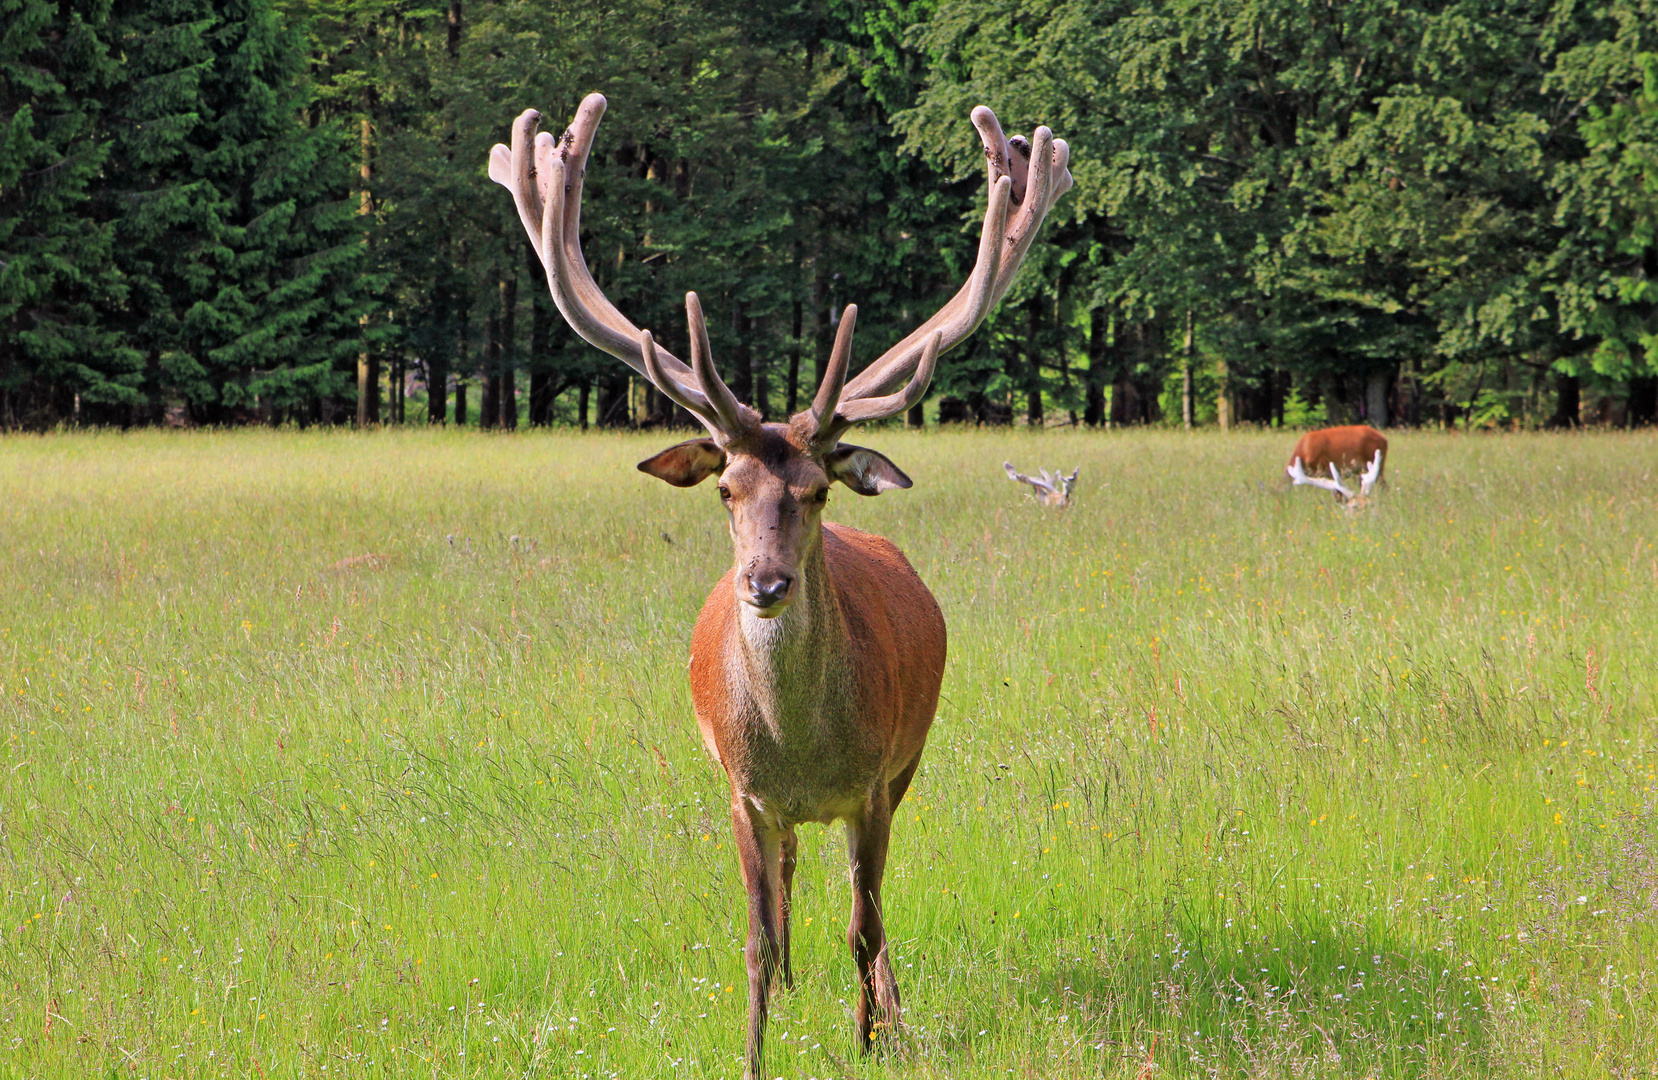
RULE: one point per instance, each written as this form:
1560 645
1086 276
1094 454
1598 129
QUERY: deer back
1351 447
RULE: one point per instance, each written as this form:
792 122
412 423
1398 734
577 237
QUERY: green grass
1223 779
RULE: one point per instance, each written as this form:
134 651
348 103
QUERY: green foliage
1298 413
1341 188
54 254
1609 195
241 250
1342 199
173 231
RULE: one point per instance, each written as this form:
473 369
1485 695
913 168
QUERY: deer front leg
758 849
789 846
878 1004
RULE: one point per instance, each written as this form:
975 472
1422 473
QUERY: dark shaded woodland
278 212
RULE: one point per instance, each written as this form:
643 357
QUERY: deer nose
768 588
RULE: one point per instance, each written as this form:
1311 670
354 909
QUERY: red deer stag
1353 448
817 660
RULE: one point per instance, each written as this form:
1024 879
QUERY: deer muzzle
770 590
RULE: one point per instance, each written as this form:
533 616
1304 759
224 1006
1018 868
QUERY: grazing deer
1344 495
817 659
1352 447
1051 489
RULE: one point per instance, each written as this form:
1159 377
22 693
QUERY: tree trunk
1643 400
460 403
1567 402
824 319
1375 399
365 384
508 400
583 392
613 401
437 389
368 365
489 397
1033 361
1126 406
762 385
541 398
742 380
797 326
1410 395
1330 394
1060 333
1223 395
1186 377
540 360
1125 403
1099 336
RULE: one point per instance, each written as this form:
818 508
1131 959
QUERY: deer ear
687 464
864 471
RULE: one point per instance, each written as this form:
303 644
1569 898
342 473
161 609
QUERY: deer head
775 478
1051 489
1344 495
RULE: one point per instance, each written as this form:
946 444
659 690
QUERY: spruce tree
234 218
55 272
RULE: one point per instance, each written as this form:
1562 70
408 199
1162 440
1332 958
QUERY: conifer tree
234 219
55 350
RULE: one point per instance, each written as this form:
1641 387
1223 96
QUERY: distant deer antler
1350 501
1299 476
1053 489
1371 472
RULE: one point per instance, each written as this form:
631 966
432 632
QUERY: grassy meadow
335 754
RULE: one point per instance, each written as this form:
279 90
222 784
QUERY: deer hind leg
759 847
900 784
789 845
878 1005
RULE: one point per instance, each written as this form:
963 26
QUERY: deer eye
725 493
821 496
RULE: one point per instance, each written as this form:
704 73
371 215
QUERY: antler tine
577 144
834 376
1368 479
734 419
1047 184
998 151
514 170
1020 478
696 404
1298 475
545 176
1336 484
862 410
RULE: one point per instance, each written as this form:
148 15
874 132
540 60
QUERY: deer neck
786 666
